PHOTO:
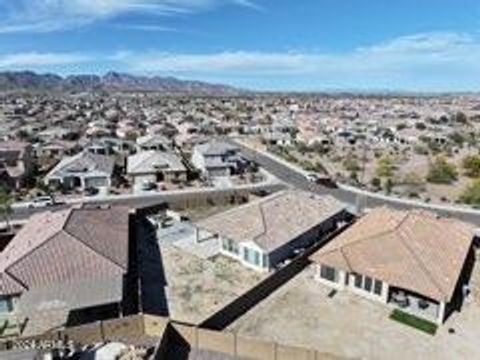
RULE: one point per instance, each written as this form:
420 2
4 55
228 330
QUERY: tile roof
415 250
275 220
147 162
215 148
65 245
83 162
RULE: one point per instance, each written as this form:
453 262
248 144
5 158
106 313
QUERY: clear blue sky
259 44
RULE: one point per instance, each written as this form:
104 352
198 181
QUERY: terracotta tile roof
414 250
65 245
275 220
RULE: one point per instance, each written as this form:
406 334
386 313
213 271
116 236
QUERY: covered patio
417 304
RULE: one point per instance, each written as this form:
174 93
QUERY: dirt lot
197 288
301 313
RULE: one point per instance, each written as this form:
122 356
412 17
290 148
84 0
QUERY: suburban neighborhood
221 216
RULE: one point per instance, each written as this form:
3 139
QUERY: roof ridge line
420 262
264 225
353 243
41 244
17 280
91 247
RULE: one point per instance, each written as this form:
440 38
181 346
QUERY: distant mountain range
112 81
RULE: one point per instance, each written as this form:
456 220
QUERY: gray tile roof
83 162
274 221
152 162
62 246
215 148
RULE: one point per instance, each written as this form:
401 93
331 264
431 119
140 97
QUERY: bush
471 165
442 172
471 195
376 183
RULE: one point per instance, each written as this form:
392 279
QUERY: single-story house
414 260
66 267
155 166
264 233
82 171
216 159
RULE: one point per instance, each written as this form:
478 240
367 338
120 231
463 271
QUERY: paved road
296 179
150 199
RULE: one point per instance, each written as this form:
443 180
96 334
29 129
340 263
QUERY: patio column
197 235
384 295
441 312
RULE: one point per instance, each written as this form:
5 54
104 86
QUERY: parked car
312 177
91 191
41 201
324 180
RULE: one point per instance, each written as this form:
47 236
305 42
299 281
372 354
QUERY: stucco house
217 159
82 171
66 267
155 166
155 142
264 233
414 260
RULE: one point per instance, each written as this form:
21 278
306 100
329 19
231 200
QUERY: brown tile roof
275 220
414 250
66 245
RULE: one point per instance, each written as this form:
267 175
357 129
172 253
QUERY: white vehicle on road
41 201
312 177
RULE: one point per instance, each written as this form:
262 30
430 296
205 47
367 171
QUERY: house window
6 304
377 289
230 246
368 284
328 273
265 261
358 280
256 258
251 256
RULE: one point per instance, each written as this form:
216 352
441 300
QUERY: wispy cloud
400 53
51 15
431 58
32 60
432 61
147 28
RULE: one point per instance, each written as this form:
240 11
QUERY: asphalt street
297 180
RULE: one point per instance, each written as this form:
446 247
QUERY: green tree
442 172
471 165
471 194
5 207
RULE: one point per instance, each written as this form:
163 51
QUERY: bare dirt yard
301 313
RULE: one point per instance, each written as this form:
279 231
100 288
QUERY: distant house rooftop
147 162
215 148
